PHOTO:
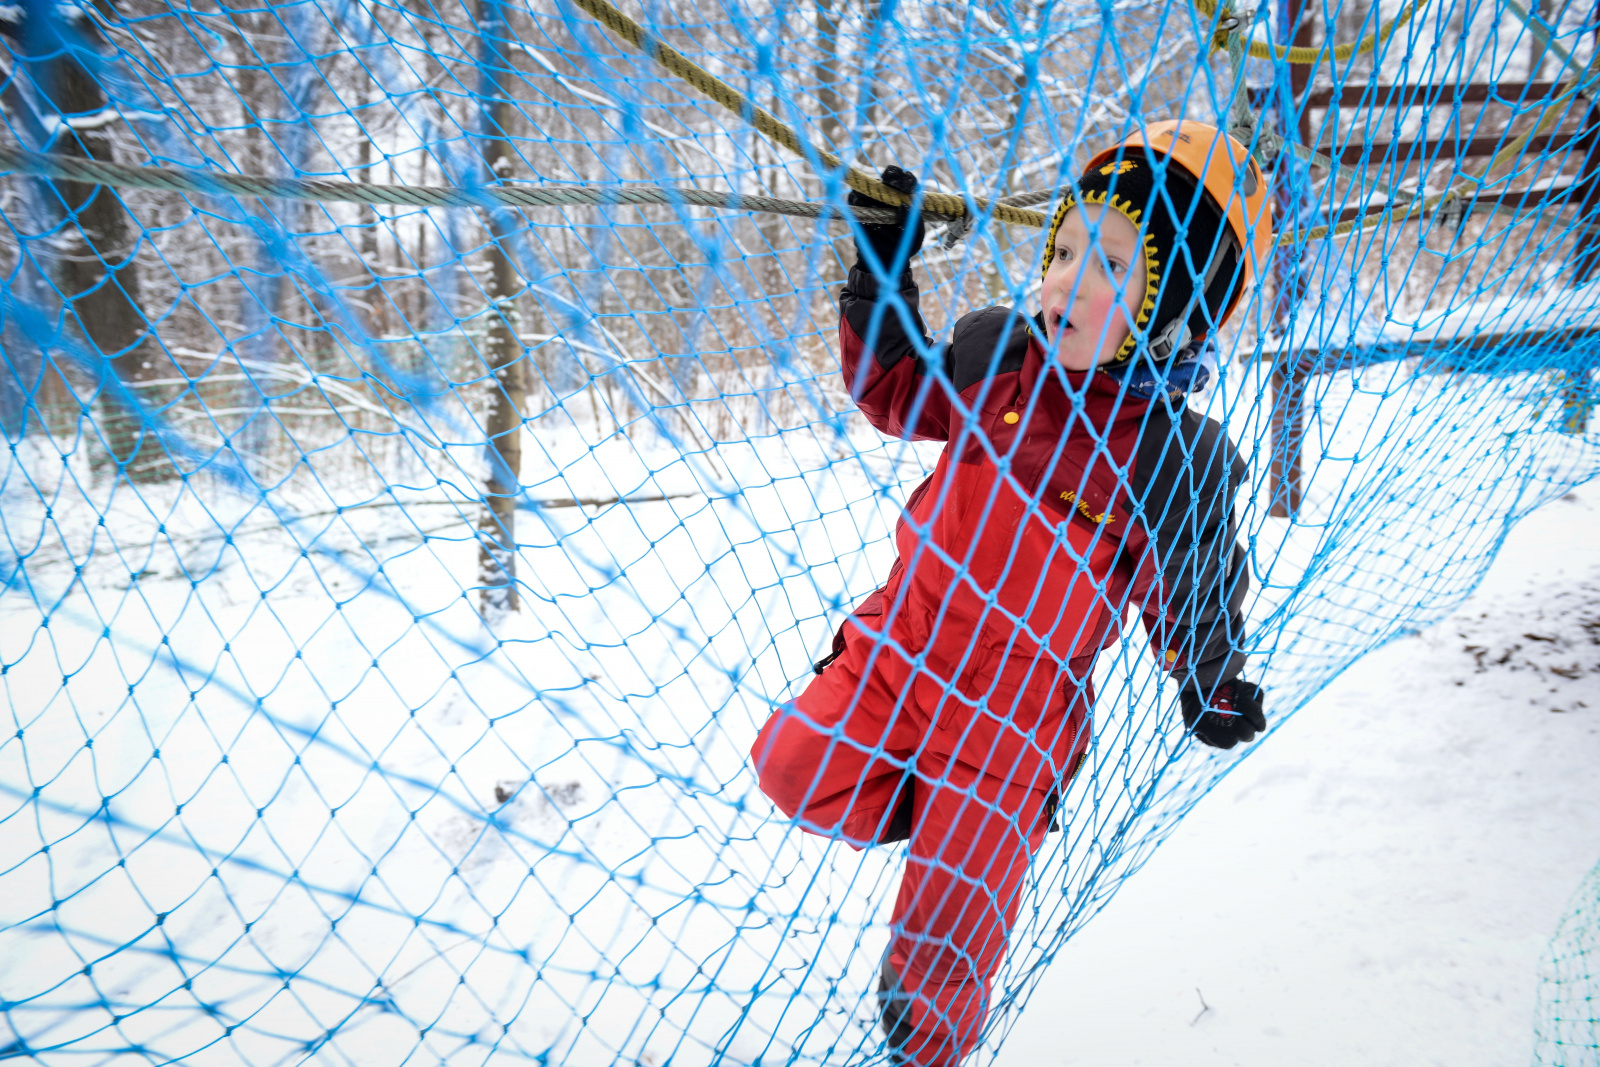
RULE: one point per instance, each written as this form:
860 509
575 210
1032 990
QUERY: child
955 705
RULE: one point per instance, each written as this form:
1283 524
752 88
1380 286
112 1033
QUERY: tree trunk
827 75
994 277
94 267
867 104
371 221
418 318
502 348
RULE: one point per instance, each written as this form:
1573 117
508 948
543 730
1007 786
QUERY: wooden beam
1406 152
1555 335
1314 361
1431 95
1530 197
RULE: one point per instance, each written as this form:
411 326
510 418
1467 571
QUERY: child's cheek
1099 307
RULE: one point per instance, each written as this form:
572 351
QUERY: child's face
1091 294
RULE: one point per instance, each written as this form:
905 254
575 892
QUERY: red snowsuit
965 681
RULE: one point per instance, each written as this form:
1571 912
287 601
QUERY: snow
1377 883
97 120
345 794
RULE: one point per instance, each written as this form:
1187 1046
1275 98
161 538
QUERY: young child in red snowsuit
956 703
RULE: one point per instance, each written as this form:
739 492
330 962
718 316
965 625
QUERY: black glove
1233 714
885 237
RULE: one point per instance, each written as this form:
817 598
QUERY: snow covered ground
1378 883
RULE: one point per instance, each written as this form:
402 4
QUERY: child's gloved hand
1233 714
885 237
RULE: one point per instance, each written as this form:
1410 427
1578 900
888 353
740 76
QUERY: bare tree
827 74
94 266
502 347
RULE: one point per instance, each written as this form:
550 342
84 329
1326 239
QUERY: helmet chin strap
1175 335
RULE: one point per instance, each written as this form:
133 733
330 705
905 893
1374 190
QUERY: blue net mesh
1567 1021
393 594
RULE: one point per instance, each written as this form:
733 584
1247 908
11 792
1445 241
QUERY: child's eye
1063 254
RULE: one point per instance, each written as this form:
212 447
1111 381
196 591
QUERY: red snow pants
985 754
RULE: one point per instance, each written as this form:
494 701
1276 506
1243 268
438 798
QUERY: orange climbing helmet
1201 204
1225 169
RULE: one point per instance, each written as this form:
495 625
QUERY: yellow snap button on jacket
1012 418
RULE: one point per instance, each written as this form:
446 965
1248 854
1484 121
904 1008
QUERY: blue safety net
1567 1018
393 592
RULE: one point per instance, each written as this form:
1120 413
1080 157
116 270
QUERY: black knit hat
1164 202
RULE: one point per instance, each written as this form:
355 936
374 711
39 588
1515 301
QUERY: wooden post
1587 257
1287 426
1577 400
1299 74
1288 376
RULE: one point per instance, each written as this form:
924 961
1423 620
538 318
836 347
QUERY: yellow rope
675 62
1305 55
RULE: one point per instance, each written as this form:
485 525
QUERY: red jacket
1059 501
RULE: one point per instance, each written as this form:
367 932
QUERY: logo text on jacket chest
1085 510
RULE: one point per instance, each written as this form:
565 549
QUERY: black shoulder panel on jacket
1187 474
993 340
1185 477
